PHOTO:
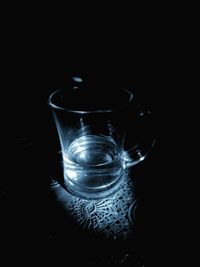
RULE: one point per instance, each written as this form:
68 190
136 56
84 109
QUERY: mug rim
83 111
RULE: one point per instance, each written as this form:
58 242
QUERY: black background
38 63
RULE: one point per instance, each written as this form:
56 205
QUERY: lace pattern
113 216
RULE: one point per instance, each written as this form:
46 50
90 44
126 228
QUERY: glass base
86 193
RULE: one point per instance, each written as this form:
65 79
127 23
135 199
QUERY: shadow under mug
102 134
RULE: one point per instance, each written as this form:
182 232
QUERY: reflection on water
92 162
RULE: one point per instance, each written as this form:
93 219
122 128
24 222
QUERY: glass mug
98 138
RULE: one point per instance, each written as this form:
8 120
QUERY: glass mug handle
140 151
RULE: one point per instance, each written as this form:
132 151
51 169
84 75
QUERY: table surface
40 219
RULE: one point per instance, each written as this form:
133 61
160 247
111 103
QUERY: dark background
37 64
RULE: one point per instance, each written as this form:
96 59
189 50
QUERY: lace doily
113 216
